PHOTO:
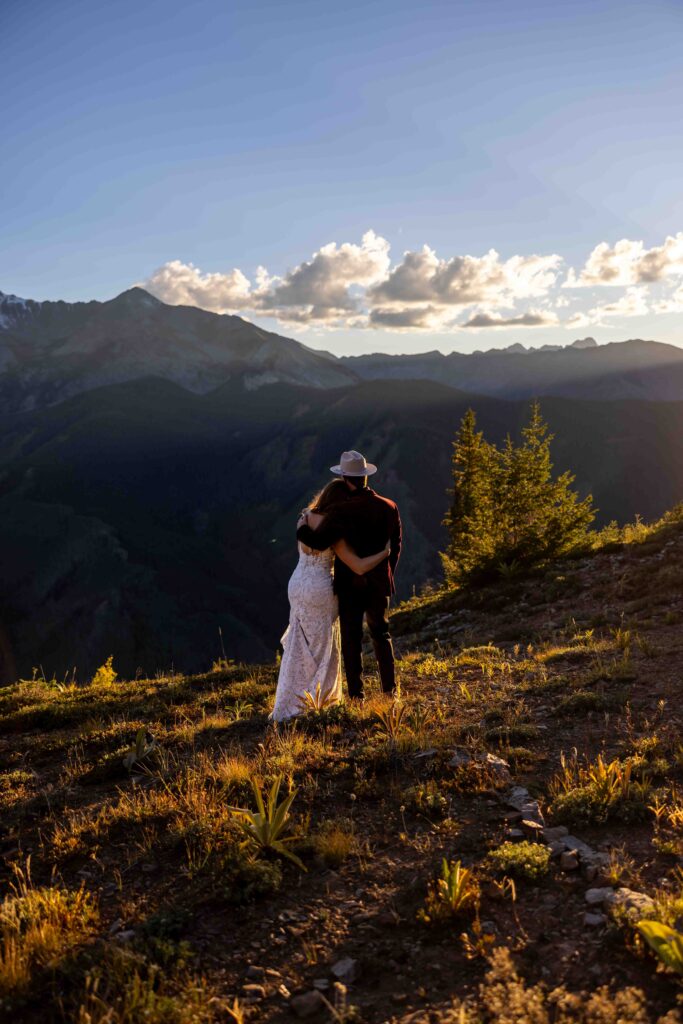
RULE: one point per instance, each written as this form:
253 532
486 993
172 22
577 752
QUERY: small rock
284 991
555 833
322 984
516 834
589 872
116 926
518 797
125 936
498 765
532 812
254 992
583 849
345 970
270 972
636 904
307 1003
460 757
424 754
556 849
594 920
569 860
595 896
149 869
255 973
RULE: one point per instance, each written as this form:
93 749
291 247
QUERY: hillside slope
143 517
177 918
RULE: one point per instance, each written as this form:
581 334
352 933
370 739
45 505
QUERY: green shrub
520 860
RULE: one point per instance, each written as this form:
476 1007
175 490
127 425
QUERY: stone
283 991
532 812
516 834
594 920
517 797
322 984
556 849
635 904
589 871
116 926
583 849
569 860
500 767
460 757
125 936
424 754
345 970
255 973
596 896
253 991
555 833
307 1003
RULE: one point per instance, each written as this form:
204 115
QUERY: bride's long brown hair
331 494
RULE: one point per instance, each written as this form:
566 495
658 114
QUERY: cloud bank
355 285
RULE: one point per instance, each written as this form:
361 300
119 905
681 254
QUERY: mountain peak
136 296
584 343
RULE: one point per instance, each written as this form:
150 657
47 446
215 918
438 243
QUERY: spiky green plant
266 828
317 702
392 720
144 745
454 893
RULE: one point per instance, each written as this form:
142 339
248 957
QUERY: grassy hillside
537 743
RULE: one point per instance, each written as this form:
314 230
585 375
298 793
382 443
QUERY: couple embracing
349 543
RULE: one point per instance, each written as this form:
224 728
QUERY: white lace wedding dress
311 642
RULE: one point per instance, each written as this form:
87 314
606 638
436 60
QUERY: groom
366 521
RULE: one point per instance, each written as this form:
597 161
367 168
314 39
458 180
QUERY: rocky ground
537 742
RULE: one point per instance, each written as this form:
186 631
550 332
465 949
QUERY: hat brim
368 471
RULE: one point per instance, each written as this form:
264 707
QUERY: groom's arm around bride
366 521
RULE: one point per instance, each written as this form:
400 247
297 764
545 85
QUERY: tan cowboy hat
353 464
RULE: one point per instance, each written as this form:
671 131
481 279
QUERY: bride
311 643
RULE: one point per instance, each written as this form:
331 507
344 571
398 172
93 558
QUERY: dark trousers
375 607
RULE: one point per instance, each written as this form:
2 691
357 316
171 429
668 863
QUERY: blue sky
186 145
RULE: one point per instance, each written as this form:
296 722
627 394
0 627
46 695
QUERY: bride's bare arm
359 565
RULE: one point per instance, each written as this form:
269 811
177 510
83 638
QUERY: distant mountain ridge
50 351
628 369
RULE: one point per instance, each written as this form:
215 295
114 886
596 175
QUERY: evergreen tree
470 520
507 511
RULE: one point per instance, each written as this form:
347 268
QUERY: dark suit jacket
366 521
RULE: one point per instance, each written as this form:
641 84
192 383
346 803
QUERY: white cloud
462 281
354 286
532 318
632 303
183 284
416 318
672 304
629 263
319 289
